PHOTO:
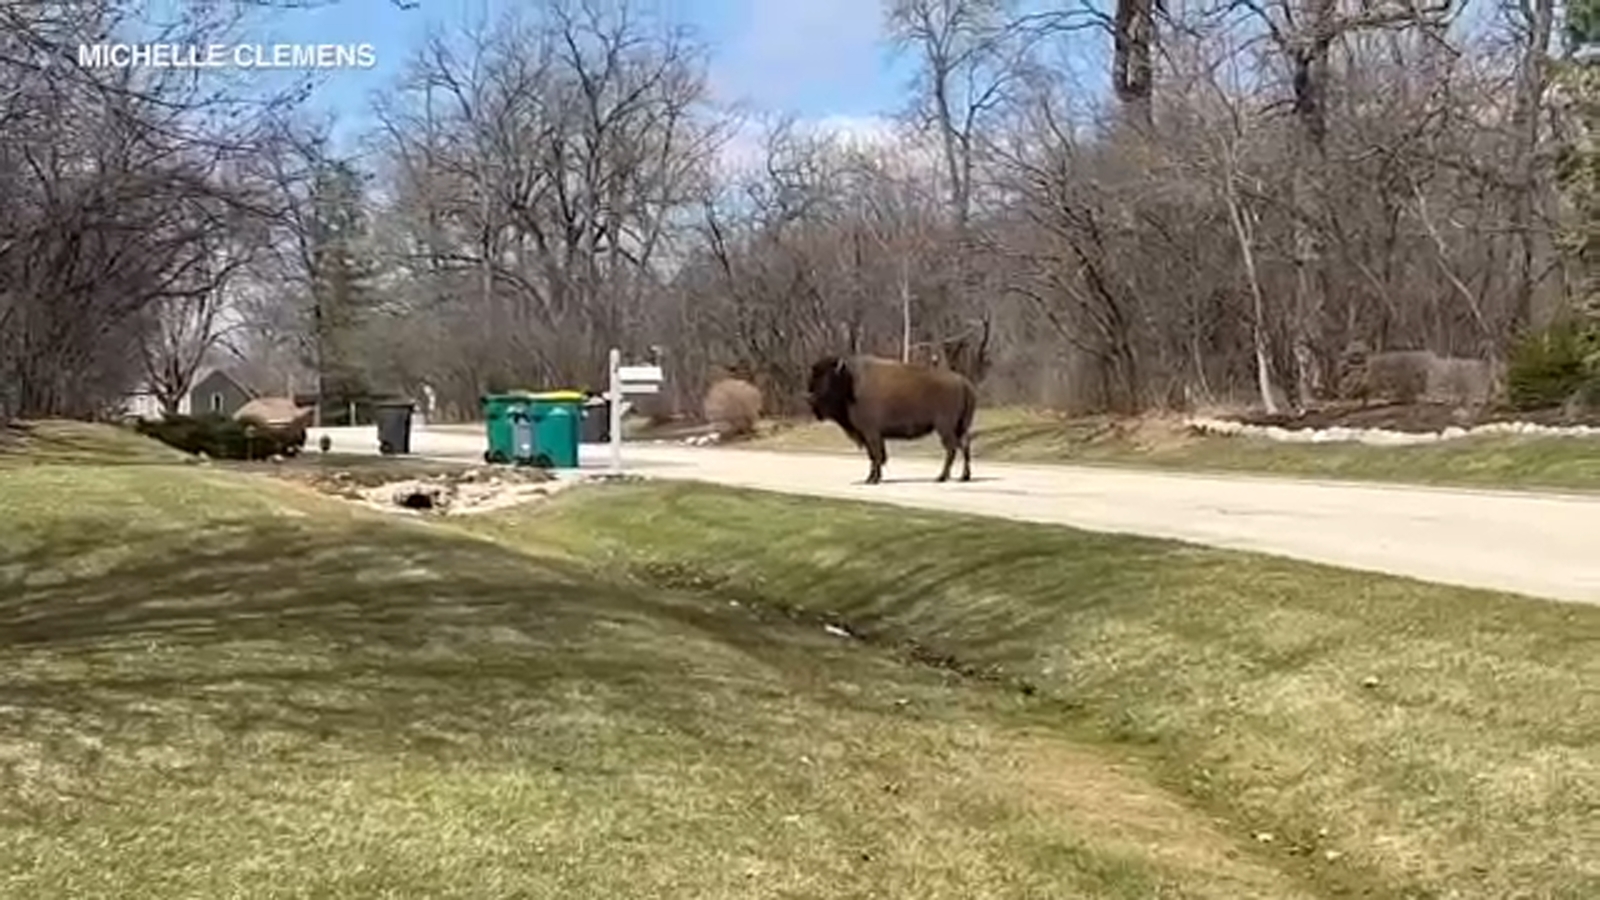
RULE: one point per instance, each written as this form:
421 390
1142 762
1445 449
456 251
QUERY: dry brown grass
733 407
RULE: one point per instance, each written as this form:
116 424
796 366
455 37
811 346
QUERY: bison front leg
878 456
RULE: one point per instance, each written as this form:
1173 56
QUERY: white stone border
1381 436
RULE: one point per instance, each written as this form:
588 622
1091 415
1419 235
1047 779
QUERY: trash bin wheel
543 461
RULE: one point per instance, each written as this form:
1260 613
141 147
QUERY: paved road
1541 545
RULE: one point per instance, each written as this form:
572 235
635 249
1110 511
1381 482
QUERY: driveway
1542 545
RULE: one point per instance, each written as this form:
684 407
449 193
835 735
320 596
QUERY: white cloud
746 149
865 131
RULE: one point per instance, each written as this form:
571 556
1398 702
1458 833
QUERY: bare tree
1533 24
1303 33
1284 178
1133 38
970 55
182 329
1233 128
114 183
546 167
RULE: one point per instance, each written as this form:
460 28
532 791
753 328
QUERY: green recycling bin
558 422
510 426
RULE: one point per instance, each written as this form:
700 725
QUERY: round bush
733 407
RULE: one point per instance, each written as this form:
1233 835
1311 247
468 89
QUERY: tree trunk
1258 333
905 311
1532 196
1308 156
1133 35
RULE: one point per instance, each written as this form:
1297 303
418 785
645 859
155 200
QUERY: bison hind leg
878 455
962 441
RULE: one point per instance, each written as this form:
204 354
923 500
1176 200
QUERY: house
141 403
219 392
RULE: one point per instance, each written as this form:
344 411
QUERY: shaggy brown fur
875 399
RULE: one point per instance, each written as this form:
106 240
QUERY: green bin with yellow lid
557 423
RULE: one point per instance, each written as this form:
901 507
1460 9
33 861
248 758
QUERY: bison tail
969 410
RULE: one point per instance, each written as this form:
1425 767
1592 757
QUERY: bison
875 399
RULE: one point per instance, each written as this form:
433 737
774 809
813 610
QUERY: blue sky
815 58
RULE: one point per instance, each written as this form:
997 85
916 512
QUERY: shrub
657 409
1401 376
1554 366
221 437
733 407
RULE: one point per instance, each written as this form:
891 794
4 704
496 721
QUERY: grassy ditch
1376 736
219 684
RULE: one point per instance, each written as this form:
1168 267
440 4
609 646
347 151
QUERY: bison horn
839 366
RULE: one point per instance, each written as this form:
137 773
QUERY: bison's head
832 388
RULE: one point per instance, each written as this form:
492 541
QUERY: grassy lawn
59 442
1014 435
214 684
1376 736
218 684
362 470
78 443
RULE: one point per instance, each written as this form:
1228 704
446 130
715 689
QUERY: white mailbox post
626 380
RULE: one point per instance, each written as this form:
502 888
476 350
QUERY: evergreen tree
1578 171
341 280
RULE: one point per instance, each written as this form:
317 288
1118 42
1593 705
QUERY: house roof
232 374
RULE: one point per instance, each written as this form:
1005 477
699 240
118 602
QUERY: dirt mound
450 492
1156 431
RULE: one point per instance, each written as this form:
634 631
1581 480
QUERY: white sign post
626 380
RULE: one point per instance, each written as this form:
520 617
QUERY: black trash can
596 427
394 426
